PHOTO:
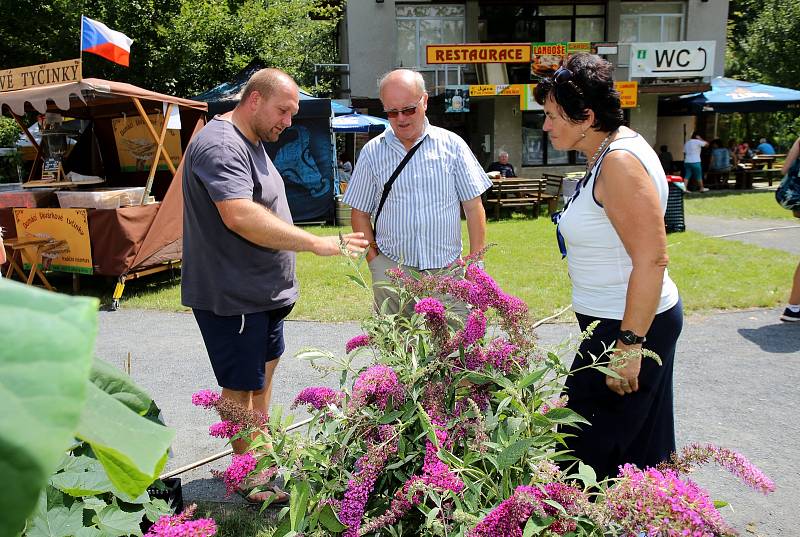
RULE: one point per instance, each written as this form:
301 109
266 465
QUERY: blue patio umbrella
358 123
729 95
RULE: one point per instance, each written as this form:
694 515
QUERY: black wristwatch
628 337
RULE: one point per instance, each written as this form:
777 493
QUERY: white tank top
598 264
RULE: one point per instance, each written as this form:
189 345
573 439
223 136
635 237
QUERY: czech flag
99 39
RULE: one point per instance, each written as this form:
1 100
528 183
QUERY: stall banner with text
490 90
548 57
526 100
136 147
478 53
628 93
45 74
70 225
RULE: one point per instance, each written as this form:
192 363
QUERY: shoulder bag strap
388 186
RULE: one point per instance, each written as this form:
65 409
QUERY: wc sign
678 59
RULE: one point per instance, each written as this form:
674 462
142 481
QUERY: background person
692 167
502 165
764 147
616 250
238 271
420 225
792 312
665 157
720 157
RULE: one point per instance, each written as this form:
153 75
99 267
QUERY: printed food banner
136 147
548 57
68 230
628 93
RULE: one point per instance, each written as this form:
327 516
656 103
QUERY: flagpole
81 45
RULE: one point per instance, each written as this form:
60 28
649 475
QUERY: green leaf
46 345
609 372
114 521
55 522
530 378
132 449
89 531
587 474
510 455
390 416
719 504
298 505
329 519
155 509
82 483
120 386
564 415
425 420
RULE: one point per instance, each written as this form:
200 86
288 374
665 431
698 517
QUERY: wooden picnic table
524 192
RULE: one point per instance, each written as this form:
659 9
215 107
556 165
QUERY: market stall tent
728 95
126 242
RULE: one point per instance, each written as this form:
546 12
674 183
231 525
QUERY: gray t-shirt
221 271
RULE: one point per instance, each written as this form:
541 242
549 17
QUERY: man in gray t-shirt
239 242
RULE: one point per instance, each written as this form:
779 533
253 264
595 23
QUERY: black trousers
637 428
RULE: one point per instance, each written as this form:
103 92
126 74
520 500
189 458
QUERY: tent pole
31 139
159 139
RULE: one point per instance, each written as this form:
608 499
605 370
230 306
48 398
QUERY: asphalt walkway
736 378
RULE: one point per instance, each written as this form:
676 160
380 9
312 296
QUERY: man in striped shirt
420 224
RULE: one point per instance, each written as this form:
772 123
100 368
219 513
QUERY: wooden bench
516 192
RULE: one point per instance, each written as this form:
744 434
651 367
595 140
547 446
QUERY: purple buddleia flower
735 463
180 525
239 469
318 397
224 429
356 342
376 385
205 398
475 327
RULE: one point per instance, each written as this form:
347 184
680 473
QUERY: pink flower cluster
376 385
508 518
318 397
359 487
561 402
501 354
660 503
180 525
224 429
237 471
356 342
734 462
435 316
205 398
475 328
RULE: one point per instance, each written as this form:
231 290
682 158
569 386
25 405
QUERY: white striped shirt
420 224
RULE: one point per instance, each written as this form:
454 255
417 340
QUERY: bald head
402 77
267 82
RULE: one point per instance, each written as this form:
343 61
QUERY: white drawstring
242 327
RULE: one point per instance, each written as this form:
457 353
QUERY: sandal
261 488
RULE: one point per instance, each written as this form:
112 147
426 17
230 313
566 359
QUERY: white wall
644 118
370 44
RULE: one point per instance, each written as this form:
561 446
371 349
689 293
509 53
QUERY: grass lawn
710 273
235 520
733 204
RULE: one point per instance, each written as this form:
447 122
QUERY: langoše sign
479 53
46 74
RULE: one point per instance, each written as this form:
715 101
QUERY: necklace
603 145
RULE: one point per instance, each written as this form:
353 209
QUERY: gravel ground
734 376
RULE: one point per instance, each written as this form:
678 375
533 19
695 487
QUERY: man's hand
355 243
628 368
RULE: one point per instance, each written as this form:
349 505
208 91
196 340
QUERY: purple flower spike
475 327
318 397
376 385
224 429
356 342
205 398
181 526
240 468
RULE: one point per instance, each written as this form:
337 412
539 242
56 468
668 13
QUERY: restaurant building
481 88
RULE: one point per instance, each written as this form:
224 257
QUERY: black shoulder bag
388 186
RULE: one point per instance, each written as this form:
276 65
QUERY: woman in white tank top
616 249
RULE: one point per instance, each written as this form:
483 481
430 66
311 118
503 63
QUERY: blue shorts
692 170
239 346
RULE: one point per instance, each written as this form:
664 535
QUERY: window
651 22
536 147
421 25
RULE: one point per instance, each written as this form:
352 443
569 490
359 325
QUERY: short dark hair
663 148
591 87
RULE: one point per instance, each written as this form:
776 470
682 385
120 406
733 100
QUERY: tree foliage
180 47
763 46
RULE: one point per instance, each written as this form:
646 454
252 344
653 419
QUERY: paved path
778 234
736 378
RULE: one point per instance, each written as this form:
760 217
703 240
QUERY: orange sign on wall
479 53
70 225
628 93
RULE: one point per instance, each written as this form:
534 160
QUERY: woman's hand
628 363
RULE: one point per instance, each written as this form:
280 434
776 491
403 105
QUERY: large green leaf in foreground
46 344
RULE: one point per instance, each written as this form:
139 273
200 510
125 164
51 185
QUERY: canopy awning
75 96
358 123
728 95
